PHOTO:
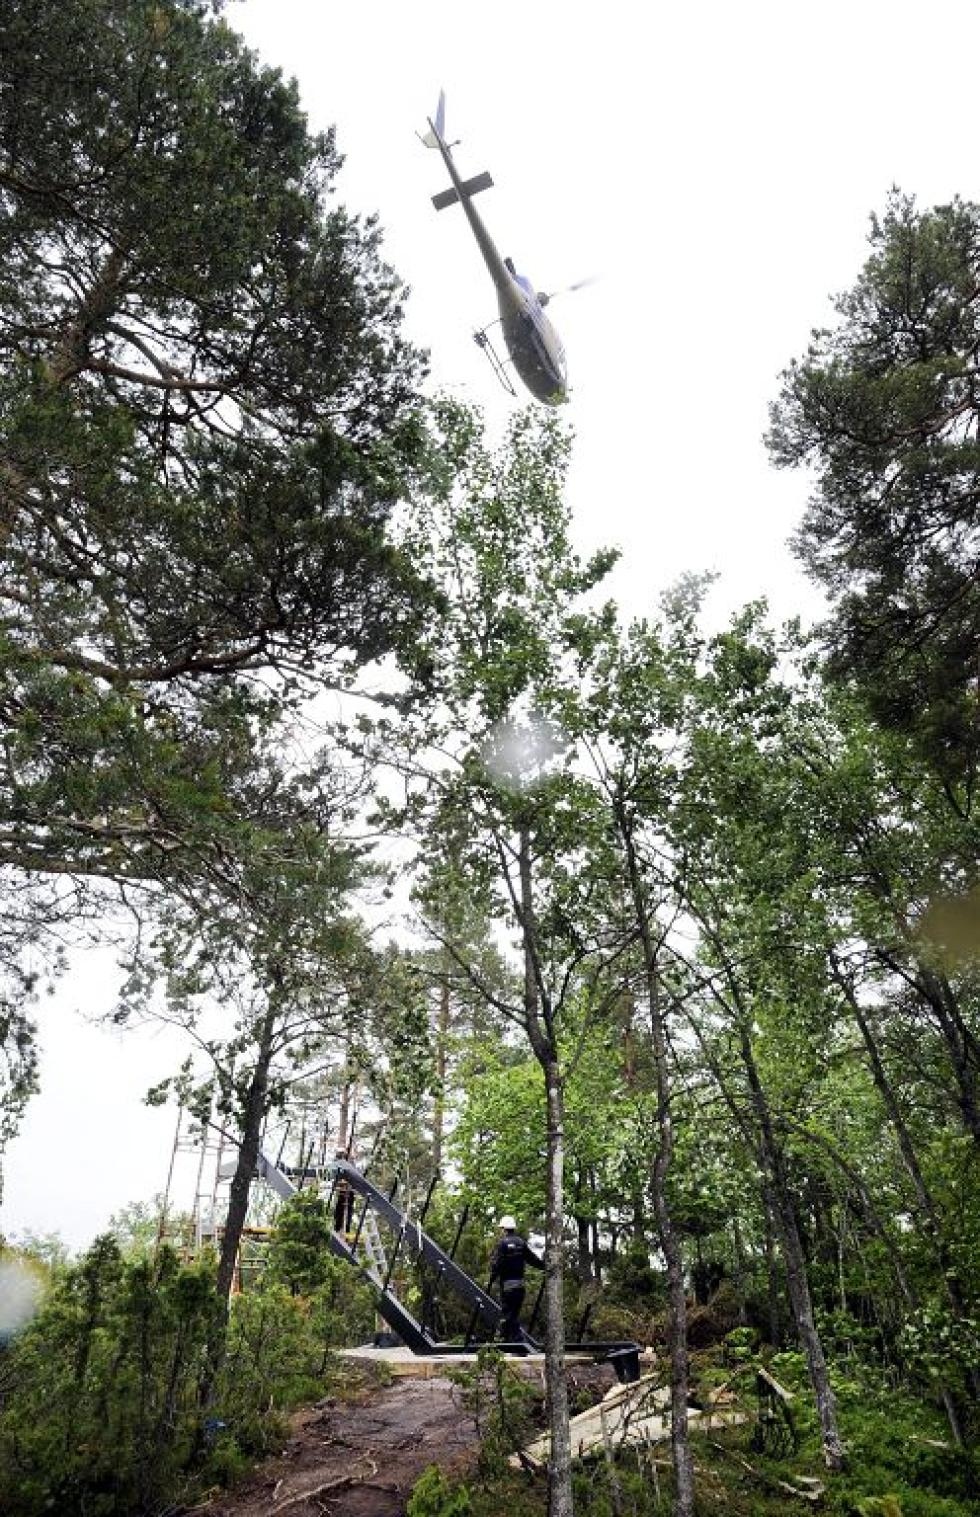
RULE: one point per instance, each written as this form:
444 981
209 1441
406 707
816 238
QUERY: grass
899 1462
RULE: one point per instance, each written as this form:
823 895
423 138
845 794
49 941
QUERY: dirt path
359 1460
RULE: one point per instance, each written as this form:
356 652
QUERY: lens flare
20 1296
518 753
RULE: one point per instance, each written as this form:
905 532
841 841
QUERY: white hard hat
508 1223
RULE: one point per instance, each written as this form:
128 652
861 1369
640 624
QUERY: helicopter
533 344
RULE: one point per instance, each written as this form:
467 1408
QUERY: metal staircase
364 1249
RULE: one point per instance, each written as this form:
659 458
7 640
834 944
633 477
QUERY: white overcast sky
714 165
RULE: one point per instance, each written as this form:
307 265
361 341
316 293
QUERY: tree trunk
439 1104
540 1032
669 1241
252 1119
583 1228
738 1270
798 1286
927 1207
908 1293
560 1467
347 1111
935 990
772 1275
932 1225
671 1250
71 354
962 1044
248 1152
784 1216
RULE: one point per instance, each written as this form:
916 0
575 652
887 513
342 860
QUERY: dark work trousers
512 1295
343 1209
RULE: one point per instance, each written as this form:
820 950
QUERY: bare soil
360 1459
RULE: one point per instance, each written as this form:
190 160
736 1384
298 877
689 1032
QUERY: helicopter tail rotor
437 125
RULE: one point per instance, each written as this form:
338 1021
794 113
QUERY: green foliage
896 1447
739 1345
724 916
633 1281
338 1305
136 1226
939 1346
48 1250
99 1402
896 1453
883 404
100 1395
493 530
502 1403
626 1486
208 414
299 1255
433 1496
498 1141
273 1361
18 1063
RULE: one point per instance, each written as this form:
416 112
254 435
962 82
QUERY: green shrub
100 1396
433 1496
99 1408
739 1345
502 1404
632 1281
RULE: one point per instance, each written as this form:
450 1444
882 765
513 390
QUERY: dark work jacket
509 1258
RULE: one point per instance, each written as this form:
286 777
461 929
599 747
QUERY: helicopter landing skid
496 362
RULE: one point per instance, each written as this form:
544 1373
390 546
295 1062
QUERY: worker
343 1206
507 1265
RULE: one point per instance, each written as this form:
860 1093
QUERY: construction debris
627 1415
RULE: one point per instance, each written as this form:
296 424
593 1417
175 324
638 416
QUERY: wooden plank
591 1430
773 1384
402 1363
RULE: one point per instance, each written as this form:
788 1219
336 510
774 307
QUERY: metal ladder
371 1246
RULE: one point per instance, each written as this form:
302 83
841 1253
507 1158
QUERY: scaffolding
300 1140
186 1230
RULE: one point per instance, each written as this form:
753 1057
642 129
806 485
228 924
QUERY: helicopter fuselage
533 343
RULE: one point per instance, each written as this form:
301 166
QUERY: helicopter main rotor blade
568 289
